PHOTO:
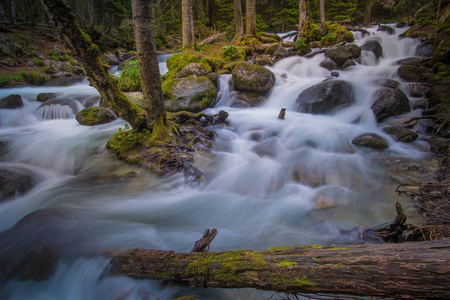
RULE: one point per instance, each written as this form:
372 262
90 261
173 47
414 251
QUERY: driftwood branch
212 39
202 245
419 270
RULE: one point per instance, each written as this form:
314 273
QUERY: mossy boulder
338 54
198 69
401 134
348 63
94 116
255 78
325 97
12 101
387 29
370 140
192 93
375 47
389 102
42 97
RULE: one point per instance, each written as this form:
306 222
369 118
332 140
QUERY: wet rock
14 182
400 24
9 46
334 74
373 46
348 63
42 97
416 61
338 54
385 82
439 146
12 101
354 49
420 104
425 50
94 116
110 59
387 29
137 98
247 99
325 97
214 77
308 175
193 93
269 147
47 112
389 102
88 101
198 69
412 73
284 76
418 89
324 202
65 80
123 55
248 77
402 134
370 140
270 48
328 64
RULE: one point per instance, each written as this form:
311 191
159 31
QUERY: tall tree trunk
418 270
191 17
188 22
303 25
368 12
238 19
88 55
148 60
436 34
250 18
322 15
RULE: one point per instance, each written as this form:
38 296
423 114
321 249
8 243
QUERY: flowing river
268 182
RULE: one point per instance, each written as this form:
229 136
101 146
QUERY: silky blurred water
268 182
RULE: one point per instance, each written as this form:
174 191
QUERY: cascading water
268 182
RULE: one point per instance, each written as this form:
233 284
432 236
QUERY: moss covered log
88 55
414 270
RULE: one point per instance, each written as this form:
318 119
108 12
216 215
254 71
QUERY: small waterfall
56 111
225 88
162 58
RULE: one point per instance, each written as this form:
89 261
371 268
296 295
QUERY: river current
90 202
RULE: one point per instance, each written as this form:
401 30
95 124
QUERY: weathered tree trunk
322 15
186 9
415 270
250 18
368 12
303 19
238 19
88 55
436 33
148 60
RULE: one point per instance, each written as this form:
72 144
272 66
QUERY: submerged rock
12 101
370 140
373 46
387 29
354 49
193 93
338 54
386 82
402 134
247 99
249 77
42 97
325 97
412 73
389 102
348 63
94 116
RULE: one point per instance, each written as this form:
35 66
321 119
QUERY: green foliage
302 44
130 80
230 52
23 78
340 10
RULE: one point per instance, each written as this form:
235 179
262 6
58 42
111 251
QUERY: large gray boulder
325 97
338 54
12 101
390 30
42 97
389 102
373 46
370 140
246 99
14 182
249 77
9 46
192 93
94 116
110 59
328 64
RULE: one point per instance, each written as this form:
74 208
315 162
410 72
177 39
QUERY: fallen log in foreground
408 270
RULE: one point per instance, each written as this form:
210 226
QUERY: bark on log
212 39
88 55
420 270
